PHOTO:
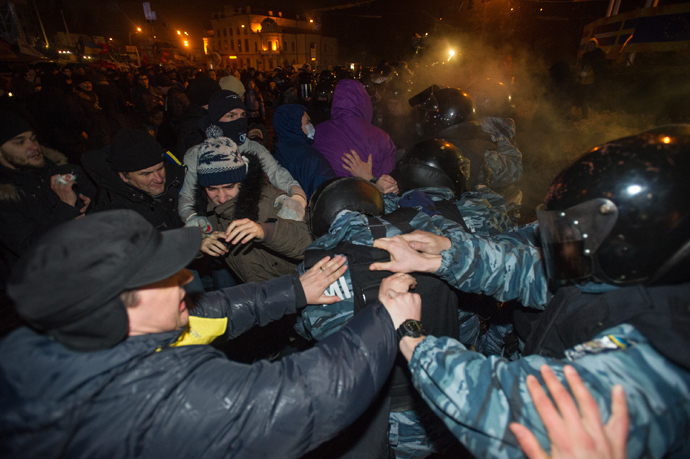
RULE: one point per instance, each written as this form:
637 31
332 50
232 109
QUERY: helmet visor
571 237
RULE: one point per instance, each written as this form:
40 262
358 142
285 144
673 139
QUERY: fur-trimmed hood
246 204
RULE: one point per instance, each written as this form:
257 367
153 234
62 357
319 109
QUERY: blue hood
287 123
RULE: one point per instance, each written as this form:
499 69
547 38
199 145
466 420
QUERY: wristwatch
410 327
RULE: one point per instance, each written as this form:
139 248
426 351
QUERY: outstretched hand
355 166
317 279
404 259
573 433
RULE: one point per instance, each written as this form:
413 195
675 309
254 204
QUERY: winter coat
155 395
29 208
350 128
114 193
293 149
284 241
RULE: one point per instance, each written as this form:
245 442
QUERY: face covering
310 131
235 130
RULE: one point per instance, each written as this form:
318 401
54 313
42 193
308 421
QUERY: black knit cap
11 125
134 150
222 102
68 284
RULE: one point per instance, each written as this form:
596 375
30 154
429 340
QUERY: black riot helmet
449 106
492 98
620 214
338 194
434 163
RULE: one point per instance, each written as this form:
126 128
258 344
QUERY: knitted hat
68 284
133 150
222 102
11 125
232 84
220 163
200 90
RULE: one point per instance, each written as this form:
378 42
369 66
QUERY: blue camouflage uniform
484 212
478 396
412 433
407 437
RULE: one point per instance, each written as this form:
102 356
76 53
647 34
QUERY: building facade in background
264 40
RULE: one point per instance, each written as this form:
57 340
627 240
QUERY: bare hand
64 191
402 306
211 245
387 184
355 166
243 231
86 200
399 282
404 259
320 276
573 433
426 242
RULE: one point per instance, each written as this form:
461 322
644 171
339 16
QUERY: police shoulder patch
606 343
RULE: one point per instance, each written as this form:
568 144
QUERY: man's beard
24 165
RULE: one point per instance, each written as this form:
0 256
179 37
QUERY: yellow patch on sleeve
202 330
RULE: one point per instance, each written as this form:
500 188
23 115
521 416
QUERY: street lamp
130 35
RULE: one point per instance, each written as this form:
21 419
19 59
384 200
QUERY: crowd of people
330 264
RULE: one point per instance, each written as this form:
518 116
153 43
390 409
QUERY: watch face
413 326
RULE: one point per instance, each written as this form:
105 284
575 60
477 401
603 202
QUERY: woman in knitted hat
253 228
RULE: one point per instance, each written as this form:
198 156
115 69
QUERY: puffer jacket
350 129
161 211
147 398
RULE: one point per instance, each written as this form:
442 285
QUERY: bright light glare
451 53
179 33
633 189
666 140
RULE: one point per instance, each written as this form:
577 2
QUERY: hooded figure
293 148
350 128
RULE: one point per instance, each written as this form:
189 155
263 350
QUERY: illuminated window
274 47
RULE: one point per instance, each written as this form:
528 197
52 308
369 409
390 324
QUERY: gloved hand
419 199
201 222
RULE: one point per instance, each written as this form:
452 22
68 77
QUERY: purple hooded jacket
350 128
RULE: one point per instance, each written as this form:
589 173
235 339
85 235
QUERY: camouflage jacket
505 266
478 396
318 321
483 211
